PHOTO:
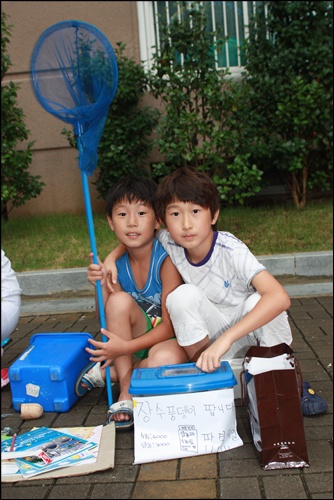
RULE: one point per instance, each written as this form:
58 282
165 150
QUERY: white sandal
92 379
125 406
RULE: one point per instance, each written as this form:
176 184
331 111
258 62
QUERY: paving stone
23 491
118 491
319 483
242 488
176 489
284 486
202 467
158 471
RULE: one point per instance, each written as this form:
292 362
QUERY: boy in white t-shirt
228 301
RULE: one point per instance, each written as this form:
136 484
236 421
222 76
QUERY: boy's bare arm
171 279
274 300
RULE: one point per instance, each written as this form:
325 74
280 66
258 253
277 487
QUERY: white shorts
195 317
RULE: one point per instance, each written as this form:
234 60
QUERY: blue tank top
149 297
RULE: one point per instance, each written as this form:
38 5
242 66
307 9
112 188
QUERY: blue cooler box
181 411
47 370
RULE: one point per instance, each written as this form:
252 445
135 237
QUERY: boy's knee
182 298
120 302
158 358
168 355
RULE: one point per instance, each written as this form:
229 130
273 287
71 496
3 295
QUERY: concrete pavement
66 290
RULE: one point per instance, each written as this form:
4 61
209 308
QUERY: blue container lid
175 379
48 350
65 339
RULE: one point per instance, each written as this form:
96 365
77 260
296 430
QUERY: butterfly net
75 77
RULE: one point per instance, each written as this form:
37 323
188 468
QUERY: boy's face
133 223
190 225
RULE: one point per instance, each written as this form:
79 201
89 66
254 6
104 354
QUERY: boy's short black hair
132 188
187 185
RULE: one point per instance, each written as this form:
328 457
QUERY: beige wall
53 159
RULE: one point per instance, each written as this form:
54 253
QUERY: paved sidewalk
234 474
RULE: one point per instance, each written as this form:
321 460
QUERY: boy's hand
107 351
209 360
96 272
110 283
111 267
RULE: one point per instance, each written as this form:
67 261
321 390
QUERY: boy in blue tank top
139 329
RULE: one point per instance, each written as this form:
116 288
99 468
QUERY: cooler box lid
65 338
48 350
57 347
172 379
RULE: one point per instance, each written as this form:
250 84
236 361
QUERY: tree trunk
297 183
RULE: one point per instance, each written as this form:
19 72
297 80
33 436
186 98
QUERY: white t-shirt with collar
224 276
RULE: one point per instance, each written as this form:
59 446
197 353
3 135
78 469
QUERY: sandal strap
94 378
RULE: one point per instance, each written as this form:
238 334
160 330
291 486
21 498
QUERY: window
232 17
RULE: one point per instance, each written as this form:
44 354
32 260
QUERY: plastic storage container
47 370
171 379
181 411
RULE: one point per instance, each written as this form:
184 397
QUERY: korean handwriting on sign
147 410
220 408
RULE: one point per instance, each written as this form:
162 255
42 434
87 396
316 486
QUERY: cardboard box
180 411
47 370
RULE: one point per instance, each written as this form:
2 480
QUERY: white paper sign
184 425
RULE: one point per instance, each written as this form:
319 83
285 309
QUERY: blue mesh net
75 78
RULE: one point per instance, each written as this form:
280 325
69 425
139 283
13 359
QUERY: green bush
17 184
288 94
200 124
277 118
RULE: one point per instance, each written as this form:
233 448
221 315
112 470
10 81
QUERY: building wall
53 159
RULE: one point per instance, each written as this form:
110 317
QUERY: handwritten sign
183 425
